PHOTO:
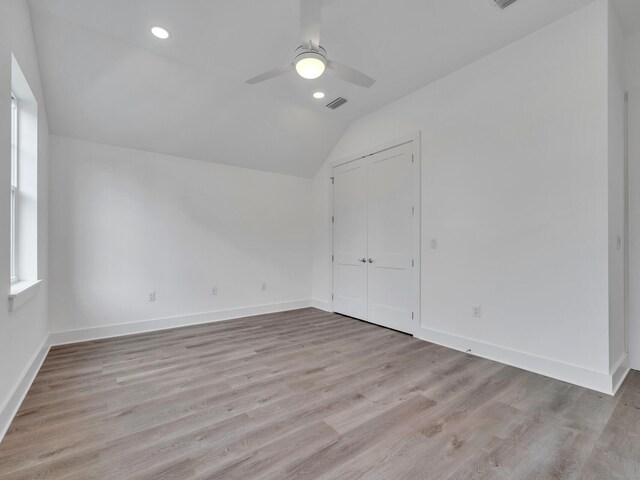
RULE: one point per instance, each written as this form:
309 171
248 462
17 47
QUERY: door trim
381 147
415 139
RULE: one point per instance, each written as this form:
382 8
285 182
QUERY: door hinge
412 158
413 210
413 262
332 296
333 219
333 180
412 315
332 258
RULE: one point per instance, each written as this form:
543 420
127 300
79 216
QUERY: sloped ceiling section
629 15
108 80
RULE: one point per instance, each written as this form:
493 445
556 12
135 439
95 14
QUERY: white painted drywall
633 86
515 188
632 48
634 228
125 223
22 331
616 176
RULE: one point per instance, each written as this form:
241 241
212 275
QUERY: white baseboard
619 372
12 403
605 382
122 329
321 305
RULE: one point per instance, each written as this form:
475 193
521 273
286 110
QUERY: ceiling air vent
338 102
504 3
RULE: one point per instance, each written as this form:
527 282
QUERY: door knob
371 260
363 260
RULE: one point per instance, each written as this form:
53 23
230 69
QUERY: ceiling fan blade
349 74
310 14
268 75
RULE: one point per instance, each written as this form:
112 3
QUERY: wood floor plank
309 395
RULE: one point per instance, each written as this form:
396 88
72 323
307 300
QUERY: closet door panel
350 232
390 238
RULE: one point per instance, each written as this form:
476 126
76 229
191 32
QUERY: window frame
14 190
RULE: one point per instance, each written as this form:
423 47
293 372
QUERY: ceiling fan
310 60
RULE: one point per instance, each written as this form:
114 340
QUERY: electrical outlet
264 286
214 291
152 296
476 311
433 243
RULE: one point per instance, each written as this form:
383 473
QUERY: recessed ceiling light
318 95
161 33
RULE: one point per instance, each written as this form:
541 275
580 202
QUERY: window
23 228
14 188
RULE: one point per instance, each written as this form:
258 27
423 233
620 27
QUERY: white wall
633 86
515 188
617 192
632 48
125 223
23 331
634 228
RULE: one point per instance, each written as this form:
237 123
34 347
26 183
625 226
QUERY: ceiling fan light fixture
310 65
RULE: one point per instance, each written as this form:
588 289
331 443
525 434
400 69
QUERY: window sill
21 292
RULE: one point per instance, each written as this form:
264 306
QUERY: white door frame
415 140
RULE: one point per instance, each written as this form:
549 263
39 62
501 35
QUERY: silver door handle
371 260
363 260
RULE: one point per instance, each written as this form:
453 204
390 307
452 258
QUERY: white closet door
392 278
350 239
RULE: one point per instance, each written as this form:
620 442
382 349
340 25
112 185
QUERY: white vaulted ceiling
108 80
629 15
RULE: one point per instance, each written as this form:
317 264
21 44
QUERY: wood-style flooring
309 395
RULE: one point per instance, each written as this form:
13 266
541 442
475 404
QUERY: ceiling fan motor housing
305 52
